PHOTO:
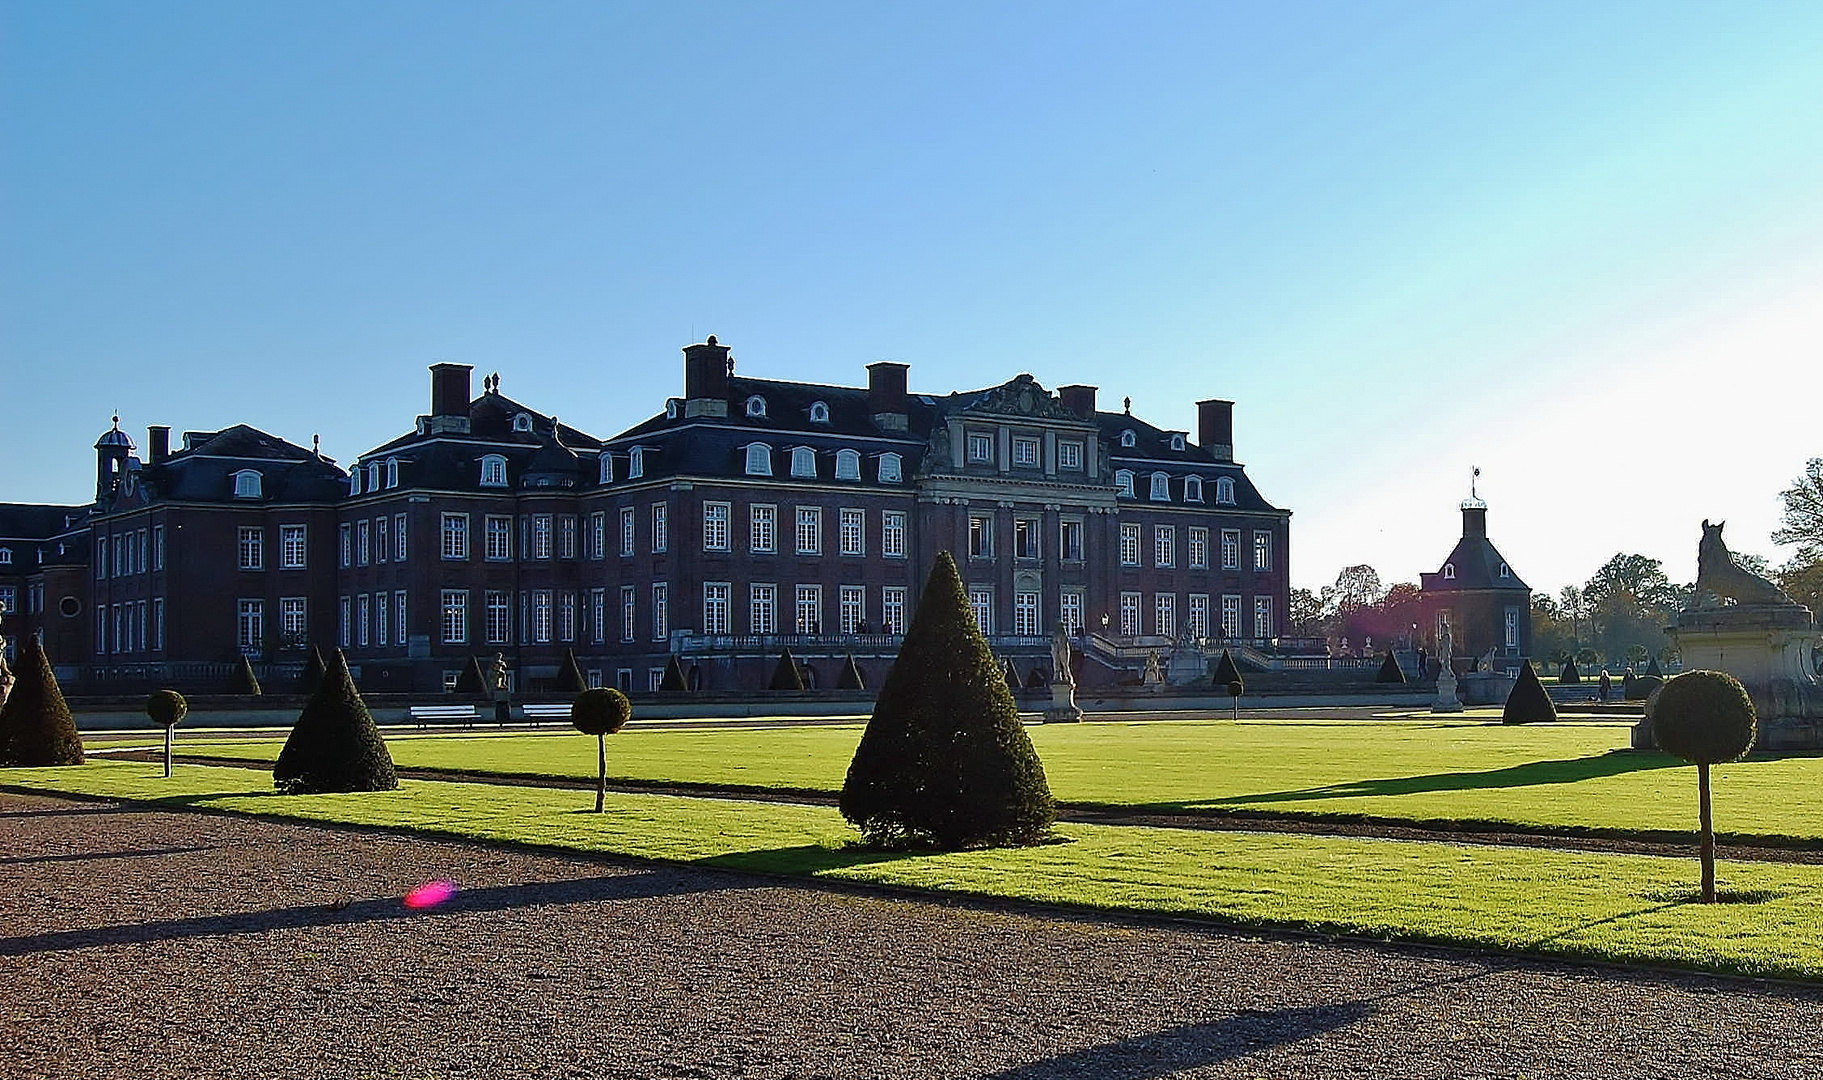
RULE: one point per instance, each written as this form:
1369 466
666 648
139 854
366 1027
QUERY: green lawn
1546 776
1621 908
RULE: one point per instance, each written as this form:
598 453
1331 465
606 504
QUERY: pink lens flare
430 894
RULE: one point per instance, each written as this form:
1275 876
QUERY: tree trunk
601 775
1708 826
167 753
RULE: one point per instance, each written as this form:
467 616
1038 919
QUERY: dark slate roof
1149 442
1476 560
452 460
205 471
30 529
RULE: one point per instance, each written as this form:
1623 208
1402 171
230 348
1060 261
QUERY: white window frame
1262 551
1262 617
981 536
1224 490
497 616
807 609
454 607
852 531
1193 489
851 608
763 608
892 609
250 547
1129 614
1069 455
661 527
493 470
1123 482
455 537
249 624
1164 614
892 534
1198 544
661 611
1026 612
629 530
763 528
1129 543
1161 487
759 459
980 448
715 525
891 469
809 531
981 605
804 462
715 607
1025 452
248 484
848 465
1231 616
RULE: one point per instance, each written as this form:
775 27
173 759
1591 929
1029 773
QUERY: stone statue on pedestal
1446 702
1063 708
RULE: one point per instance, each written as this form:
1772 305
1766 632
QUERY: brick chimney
158 443
706 370
449 397
886 395
1215 428
1079 400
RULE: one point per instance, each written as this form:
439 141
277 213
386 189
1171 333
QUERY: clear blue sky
1579 245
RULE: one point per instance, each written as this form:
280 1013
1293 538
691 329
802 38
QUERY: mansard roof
548 455
34 532
204 471
1474 563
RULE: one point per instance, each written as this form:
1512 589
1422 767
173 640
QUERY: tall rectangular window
541 536
629 525
1069 454
379 540
1025 538
1231 616
851 608
854 524
763 529
455 615
542 610
252 548
598 615
455 536
809 609
1262 616
498 605
363 542
715 526
661 531
398 599
763 609
1129 614
981 602
980 536
1025 451
1069 541
1512 626
1231 549
497 538
892 534
1164 615
566 536
715 607
250 625
1129 544
629 611
345 622
566 616
398 535
810 530
598 535
892 609
1164 545
158 622
380 606
980 448
363 619
1069 612
1262 549
1199 615
143 548
1199 547
661 611
1025 614
158 547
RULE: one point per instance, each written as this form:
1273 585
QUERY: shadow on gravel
1569 771
607 889
1193 1045
85 856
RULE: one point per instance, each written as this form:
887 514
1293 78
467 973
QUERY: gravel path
151 943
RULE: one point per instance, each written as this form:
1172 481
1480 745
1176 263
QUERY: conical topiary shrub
471 681
166 708
1012 676
1652 668
945 760
1390 671
673 681
1568 675
786 675
569 675
334 745
601 712
850 678
1528 702
1226 671
36 728
243 681
313 672
1706 718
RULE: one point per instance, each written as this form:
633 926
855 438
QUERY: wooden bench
425 715
535 713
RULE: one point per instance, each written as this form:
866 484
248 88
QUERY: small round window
69 607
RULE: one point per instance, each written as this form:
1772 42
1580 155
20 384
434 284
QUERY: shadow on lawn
802 859
1532 773
640 885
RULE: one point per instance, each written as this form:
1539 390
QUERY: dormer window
756 406
247 484
1123 482
636 463
493 471
392 472
1161 487
759 459
373 476
803 462
819 412
1127 438
6 556
671 409
1449 571
848 465
423 424
354 482
1224 490
1193 489
607 467
889 468
1505 571
522 422
1177 442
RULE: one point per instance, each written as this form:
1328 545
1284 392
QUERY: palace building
747 516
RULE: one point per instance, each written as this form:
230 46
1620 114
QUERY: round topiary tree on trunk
335 745
601 712
786 675
166 708
1390 671
36 728
1528 702
1706 718
243 681
945 760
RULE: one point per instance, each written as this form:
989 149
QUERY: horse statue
1720 579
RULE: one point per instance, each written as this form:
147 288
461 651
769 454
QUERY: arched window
1449 571
1161 487
6 556
607 467
522 422
848 465
392 472
759 459
1127 438
493 471
756 406
889 468
671 409
1505 570
819 412
1177 442
636 463
1123 482
354 481
373 476
803 461
1224 489
1193 489
247 484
